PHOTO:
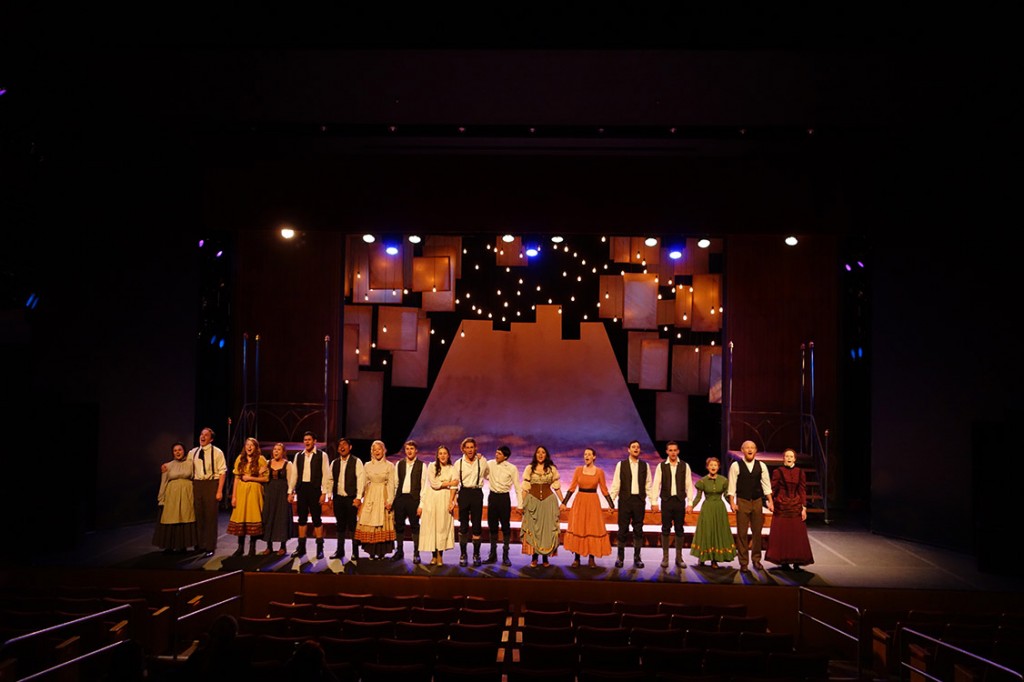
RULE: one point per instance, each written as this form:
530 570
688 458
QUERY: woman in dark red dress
788 542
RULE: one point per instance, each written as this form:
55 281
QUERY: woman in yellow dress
251 471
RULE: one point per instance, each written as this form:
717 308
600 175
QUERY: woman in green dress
541 498
712 540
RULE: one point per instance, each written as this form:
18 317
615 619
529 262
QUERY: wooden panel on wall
610 296
410 367
683 305
671 416
666 312
706 355
349 357
397 328
451 247
634 349
510 254
431 274
640 301
361 291
686 369
386 271
365 403
707 299
361 315
654 364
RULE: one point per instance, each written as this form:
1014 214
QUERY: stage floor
846 555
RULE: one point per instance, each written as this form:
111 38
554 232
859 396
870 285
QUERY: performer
348 484
788 542
502 479
412 476
277 512
209 470
749 488
437 529
673 483
250 473
375 530
472 471
176 530
541 497
712 540
586 532
313 485
631 488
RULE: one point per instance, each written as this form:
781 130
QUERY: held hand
419 511
220 496
388 506
803 514
654 508
323 498
163 468
234 502
689 509
771 506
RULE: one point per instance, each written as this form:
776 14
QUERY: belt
472 487
588 490
499 492
541 491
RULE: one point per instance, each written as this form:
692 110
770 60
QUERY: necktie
202 458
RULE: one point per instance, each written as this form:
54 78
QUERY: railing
188 595
957 663
838 612
285 422
14 647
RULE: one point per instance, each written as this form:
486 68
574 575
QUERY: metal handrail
14 641
178 597
858 612
962 652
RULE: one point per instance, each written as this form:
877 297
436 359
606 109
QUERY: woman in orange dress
586 532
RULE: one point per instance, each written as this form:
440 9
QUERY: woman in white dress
437 502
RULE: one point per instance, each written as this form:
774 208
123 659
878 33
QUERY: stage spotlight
791 241
391 250
675 254
532 251
508 238
651 241
704 243
287 233
558 239
415 239
369 238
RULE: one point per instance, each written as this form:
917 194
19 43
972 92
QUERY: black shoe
319 554
208 553
506 561
476 560
299 551
462 560
492 558
416 558
398 556
637 563
618 563
338 555
664 562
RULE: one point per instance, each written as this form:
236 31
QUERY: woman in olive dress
712 539
540 499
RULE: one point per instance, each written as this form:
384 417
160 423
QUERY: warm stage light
508 238
415 239
369 238
287 233
704 243
791 241
558 239
651 241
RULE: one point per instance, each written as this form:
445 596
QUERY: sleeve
647 488
556 479
292 474
614 492
326 477
514 487
234 469
160 496
776 481
600 481
219 461
575 479
264 466
329 476
486 472
689 484
360 479
655 484
734 471
391 483
801 489
526 484
699 488
766 486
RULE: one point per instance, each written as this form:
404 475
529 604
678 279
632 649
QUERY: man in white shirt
749 487
471 470
312 487
673 484
347 484
631 487
411 474
209 471
502 477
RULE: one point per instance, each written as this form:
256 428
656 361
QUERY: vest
626 478
350 475
417 477
666 480
748 483
316 476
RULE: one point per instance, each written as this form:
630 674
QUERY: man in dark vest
412 478
673 483
631 486
312 486
749 488
347 483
